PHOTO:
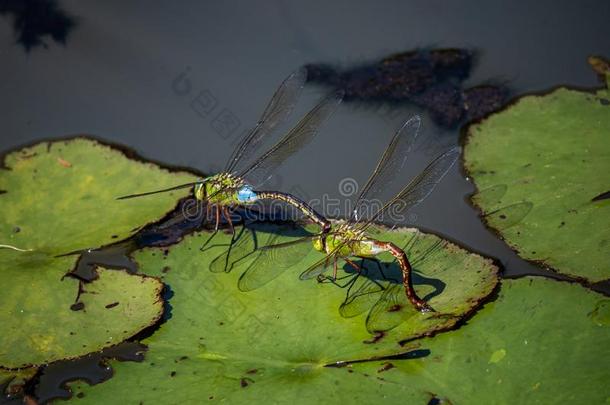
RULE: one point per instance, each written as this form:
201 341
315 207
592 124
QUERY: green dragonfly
238 184
349 239
380 294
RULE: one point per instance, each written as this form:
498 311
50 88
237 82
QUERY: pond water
115 78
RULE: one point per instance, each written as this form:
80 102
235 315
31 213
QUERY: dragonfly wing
279 108
388 167
260 171
419 188
236 253
317 268
389 311
321 265
272 260
421 251
360 297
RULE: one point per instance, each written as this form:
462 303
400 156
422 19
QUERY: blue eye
246 194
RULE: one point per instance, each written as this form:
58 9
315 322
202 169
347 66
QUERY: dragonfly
348 240
237 184
381 295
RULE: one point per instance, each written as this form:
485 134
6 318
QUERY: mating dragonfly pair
238 186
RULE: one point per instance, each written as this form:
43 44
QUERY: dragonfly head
318 243
209 187
200 191
203 188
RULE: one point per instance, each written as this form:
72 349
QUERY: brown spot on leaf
376 338
385 367
64 162
77 306
114 304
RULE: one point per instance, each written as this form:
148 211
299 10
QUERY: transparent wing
389 311
272 260
279 108
260 171
364 292
318 267
361 296
386 172
393 308
236 254
418 189
421 251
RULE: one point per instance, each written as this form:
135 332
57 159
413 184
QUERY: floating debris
431 79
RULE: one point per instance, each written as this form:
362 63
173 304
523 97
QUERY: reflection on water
428 78
33 20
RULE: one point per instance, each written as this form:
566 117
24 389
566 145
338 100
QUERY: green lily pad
60 196
220 340
39 323
541 342
537 166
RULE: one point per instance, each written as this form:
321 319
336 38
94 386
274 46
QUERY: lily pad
41 323
541 342
220 340
60 196
550 153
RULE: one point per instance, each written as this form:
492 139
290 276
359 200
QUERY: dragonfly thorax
344 241
224 189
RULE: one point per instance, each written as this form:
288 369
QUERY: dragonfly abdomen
298 204
369 248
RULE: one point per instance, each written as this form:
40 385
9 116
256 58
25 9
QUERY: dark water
113 78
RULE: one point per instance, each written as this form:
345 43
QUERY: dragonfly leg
233 237
227 215
205 247
405 266
335 268
217 207
327 279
